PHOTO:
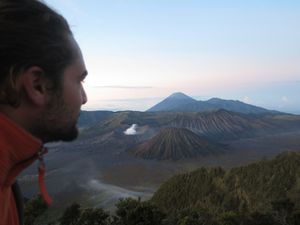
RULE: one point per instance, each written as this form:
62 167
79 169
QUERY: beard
57 122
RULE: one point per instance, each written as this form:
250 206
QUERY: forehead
77 66
75 47
75 72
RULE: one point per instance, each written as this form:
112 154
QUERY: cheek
72 96
80 96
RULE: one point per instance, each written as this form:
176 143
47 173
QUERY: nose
83 96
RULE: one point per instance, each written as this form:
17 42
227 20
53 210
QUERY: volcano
176 144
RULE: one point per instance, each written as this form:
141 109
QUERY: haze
139 52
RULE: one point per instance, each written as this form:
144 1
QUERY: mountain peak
174 100
179 95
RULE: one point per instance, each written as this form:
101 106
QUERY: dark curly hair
31 34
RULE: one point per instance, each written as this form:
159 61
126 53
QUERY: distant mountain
216 125
180 102
238 106
172 102
88 118
223 124
175 144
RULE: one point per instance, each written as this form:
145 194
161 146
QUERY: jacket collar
18 149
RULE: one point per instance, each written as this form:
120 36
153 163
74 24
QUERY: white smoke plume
131 130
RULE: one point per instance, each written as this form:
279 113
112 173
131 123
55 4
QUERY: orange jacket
18 149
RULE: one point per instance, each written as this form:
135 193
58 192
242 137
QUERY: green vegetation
267 189
134 212
128 212
263 193
33 209
71 215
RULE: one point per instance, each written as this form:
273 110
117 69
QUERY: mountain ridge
179 102
217 125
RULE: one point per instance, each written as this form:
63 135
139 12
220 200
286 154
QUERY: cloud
247 100
131 130
132 104
124 87
286 100
286 82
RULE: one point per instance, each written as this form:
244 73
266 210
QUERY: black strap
19 201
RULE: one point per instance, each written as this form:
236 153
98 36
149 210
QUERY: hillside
176 143
223 124
250 188
263 193
88 118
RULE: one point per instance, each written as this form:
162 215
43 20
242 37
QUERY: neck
21 117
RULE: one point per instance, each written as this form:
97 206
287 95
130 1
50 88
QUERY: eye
82 77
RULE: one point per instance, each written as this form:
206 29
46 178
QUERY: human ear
34 85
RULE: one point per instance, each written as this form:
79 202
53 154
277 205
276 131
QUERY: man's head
41 70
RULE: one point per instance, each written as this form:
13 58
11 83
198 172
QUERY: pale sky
138 52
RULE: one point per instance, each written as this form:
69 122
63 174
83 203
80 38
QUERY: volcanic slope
223 124
218 125
175 144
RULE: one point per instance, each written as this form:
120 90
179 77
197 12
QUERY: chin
61 135
71 135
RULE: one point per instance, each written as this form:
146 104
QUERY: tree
71 215
134 212
229 218
33 209
192 216
258 218
283 210
95 216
